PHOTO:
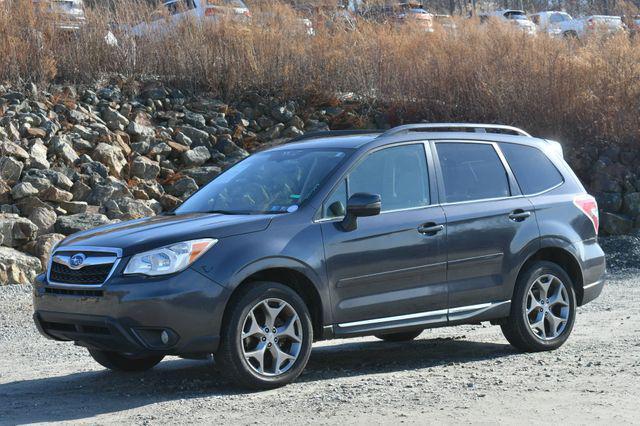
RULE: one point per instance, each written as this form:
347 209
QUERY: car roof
378 138
330 139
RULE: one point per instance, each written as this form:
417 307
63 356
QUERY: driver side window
398 174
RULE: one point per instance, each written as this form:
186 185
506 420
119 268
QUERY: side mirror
360 205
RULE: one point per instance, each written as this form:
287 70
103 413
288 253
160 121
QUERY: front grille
90 274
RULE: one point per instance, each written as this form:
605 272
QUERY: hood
139 235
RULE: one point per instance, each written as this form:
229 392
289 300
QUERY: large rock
44 219
182 188
10 169
38 156
41 247
22 190
10 149
62 147
74 207
127 208
16 230
55 195
609 201
631 204
17 267
110 156
28 204
202 175
109 188
616 224
5 193
198 137
144 168
68 225
140 131
196 157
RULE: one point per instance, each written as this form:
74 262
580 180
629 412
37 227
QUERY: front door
391 270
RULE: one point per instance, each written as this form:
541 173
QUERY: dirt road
465 374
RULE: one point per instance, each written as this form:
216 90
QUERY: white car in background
518 18
551 22
67 15
590 25
178 10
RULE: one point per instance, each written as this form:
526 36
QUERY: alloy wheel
271 337
547 307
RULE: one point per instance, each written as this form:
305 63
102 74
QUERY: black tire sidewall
233 328
518 310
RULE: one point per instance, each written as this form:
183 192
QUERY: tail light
589 206
210 11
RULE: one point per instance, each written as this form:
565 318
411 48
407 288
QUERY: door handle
430 228
519 215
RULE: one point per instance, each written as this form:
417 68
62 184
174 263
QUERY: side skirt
422 320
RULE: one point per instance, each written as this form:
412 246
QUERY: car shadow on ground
84 395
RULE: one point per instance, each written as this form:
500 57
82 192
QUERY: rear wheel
266 338
122 362
399 337
543 309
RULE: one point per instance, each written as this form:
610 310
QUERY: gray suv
338 234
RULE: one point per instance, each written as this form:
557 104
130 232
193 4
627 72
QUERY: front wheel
543 309
266 337
122 362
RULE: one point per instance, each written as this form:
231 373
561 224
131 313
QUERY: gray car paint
364 283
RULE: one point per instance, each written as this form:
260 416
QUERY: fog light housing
156 338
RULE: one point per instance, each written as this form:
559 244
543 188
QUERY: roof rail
330 133
478 128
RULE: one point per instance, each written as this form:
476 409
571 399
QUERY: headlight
168 259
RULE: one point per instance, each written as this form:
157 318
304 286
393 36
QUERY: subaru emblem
77 260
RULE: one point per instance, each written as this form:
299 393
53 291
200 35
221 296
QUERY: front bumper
130 314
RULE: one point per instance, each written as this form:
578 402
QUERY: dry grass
586 91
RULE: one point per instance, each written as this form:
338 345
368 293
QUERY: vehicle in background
550 22
518 18
395 12
632 24
592 25
67 15
178 10
445 22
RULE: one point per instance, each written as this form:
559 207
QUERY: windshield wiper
229 212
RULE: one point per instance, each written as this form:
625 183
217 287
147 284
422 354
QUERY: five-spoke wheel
542 309
266 336
271 337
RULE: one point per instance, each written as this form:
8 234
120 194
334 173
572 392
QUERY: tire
541 323
250 361
121 362
399 337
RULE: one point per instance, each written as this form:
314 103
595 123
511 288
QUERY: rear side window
471 171
533 170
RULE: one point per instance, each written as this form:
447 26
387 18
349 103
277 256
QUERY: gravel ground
449 375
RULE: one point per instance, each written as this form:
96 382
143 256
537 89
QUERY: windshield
516 15
268 182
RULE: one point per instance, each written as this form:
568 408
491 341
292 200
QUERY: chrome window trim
79 249
439 312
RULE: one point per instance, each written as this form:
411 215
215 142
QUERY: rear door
490 225
391 270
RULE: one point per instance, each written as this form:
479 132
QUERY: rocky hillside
73 158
